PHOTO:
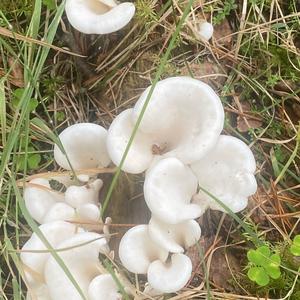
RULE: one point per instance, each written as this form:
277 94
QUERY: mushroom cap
60 211
55 233
103 287
85 145
39 200
227 172
185 115
81 259
140 154
172 276
174 238
79 195
41 293
98 17
168 188
89 212
137 250
206 30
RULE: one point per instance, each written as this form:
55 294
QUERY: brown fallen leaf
248 120
208 72
222 34
16 76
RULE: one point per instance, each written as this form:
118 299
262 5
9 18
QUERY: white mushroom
168 188
79 195
39 198
183 119
89 212
227 172
206 30
85 146
99 16
172 276
81 259
137 251
34 262
103 287
60 211
40 293
174 238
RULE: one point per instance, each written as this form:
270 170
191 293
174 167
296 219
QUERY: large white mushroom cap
168 188
40 293
174 238
81 259
103 287
99 16
34 262
39 198
172 276
137 251
85 146
227 172
183 119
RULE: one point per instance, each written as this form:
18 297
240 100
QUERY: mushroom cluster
83 147
179 146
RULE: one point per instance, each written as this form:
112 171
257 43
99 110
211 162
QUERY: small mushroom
183 119
137 251
81 258
171 276
174 238
79 195
85 146
34 261
103 287
168 188
99 16
206 30
227 172
39 198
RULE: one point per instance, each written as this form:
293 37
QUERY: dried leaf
16 75
248 120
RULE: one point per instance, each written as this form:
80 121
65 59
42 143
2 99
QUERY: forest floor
52 76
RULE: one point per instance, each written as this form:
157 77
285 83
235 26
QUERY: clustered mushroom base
180 147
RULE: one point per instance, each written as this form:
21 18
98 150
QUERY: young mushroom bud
206 30
137 251
227 172
85 146
168 188
81 258
171 276
103 287
39 198
174 238
99 16
183 119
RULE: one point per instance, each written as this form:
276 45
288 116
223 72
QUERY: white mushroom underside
85 145
98 17
172 276
227 172
168 189
137 250
174 238
183 119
